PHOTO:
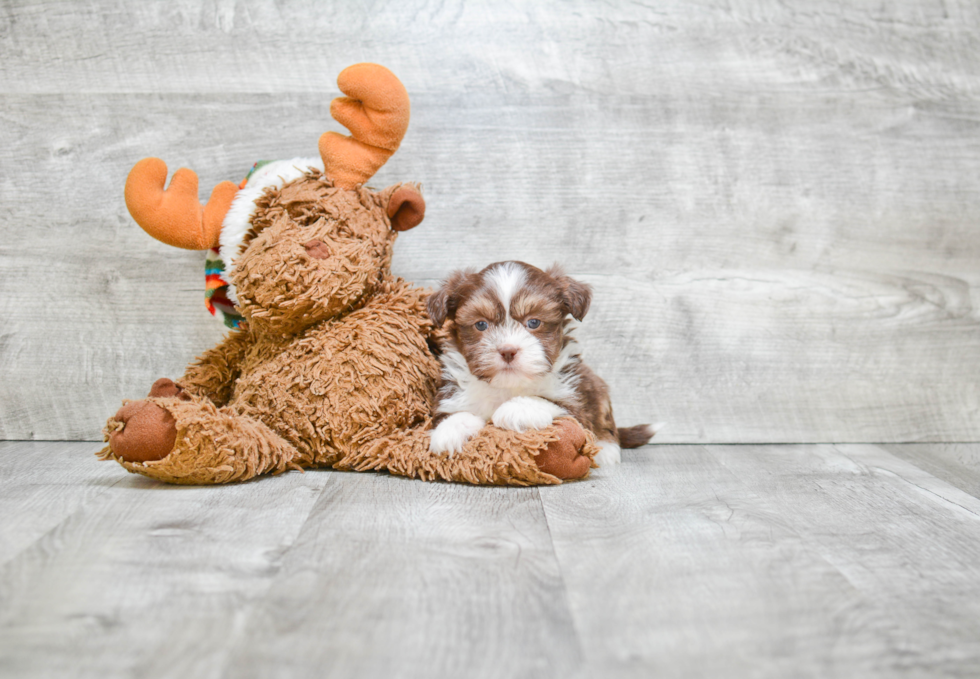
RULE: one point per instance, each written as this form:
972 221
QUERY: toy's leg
179 439
492 457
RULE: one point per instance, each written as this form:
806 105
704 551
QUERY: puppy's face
508 320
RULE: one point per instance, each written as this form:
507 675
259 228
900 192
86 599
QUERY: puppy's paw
454 431
608 454
526 412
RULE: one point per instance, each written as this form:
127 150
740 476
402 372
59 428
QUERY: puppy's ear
442 303
575 297
438 306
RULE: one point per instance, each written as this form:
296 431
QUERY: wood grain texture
42 485
395 578
958 464
189 45
685 561
776 205
770 561
167 572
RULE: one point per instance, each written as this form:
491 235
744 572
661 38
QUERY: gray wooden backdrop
776 203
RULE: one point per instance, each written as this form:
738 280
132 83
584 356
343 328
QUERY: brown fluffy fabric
213 445
333 368
494 457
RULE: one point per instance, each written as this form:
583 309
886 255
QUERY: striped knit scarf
216 290
216 281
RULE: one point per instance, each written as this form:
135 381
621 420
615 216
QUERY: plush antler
376 112
176 216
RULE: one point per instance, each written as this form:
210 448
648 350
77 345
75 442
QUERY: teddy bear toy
329 359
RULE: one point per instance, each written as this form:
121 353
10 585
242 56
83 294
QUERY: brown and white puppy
509 358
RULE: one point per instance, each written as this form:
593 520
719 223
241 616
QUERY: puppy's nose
508 352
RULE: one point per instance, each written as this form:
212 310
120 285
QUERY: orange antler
176 216
376 112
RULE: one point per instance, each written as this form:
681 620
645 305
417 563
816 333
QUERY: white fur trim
608 454
239 217
526 412
454 431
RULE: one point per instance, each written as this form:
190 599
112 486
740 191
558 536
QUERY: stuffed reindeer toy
327 363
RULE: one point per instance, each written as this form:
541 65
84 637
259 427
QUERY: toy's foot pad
563 458
147 432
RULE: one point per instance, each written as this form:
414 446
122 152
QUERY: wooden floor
714 561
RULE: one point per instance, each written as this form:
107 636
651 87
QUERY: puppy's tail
634 437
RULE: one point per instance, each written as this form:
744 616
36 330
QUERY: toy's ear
406 208
443 302
575 297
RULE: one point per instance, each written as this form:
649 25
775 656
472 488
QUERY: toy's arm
212 374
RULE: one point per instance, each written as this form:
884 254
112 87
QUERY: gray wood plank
770 561
141 579
189 45
42 484
391 577
775 204
906 540
750 351
958 464
734 561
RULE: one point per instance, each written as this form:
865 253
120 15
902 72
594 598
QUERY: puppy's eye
533 323
481 325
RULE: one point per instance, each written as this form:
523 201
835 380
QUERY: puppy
508 357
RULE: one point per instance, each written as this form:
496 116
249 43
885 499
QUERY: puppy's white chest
481 399
473 395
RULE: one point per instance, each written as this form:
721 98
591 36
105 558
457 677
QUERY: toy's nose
317 249
508 352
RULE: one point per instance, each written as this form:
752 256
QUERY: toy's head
314 250
298 241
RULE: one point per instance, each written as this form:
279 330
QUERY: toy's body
310 388
299 401
330 366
